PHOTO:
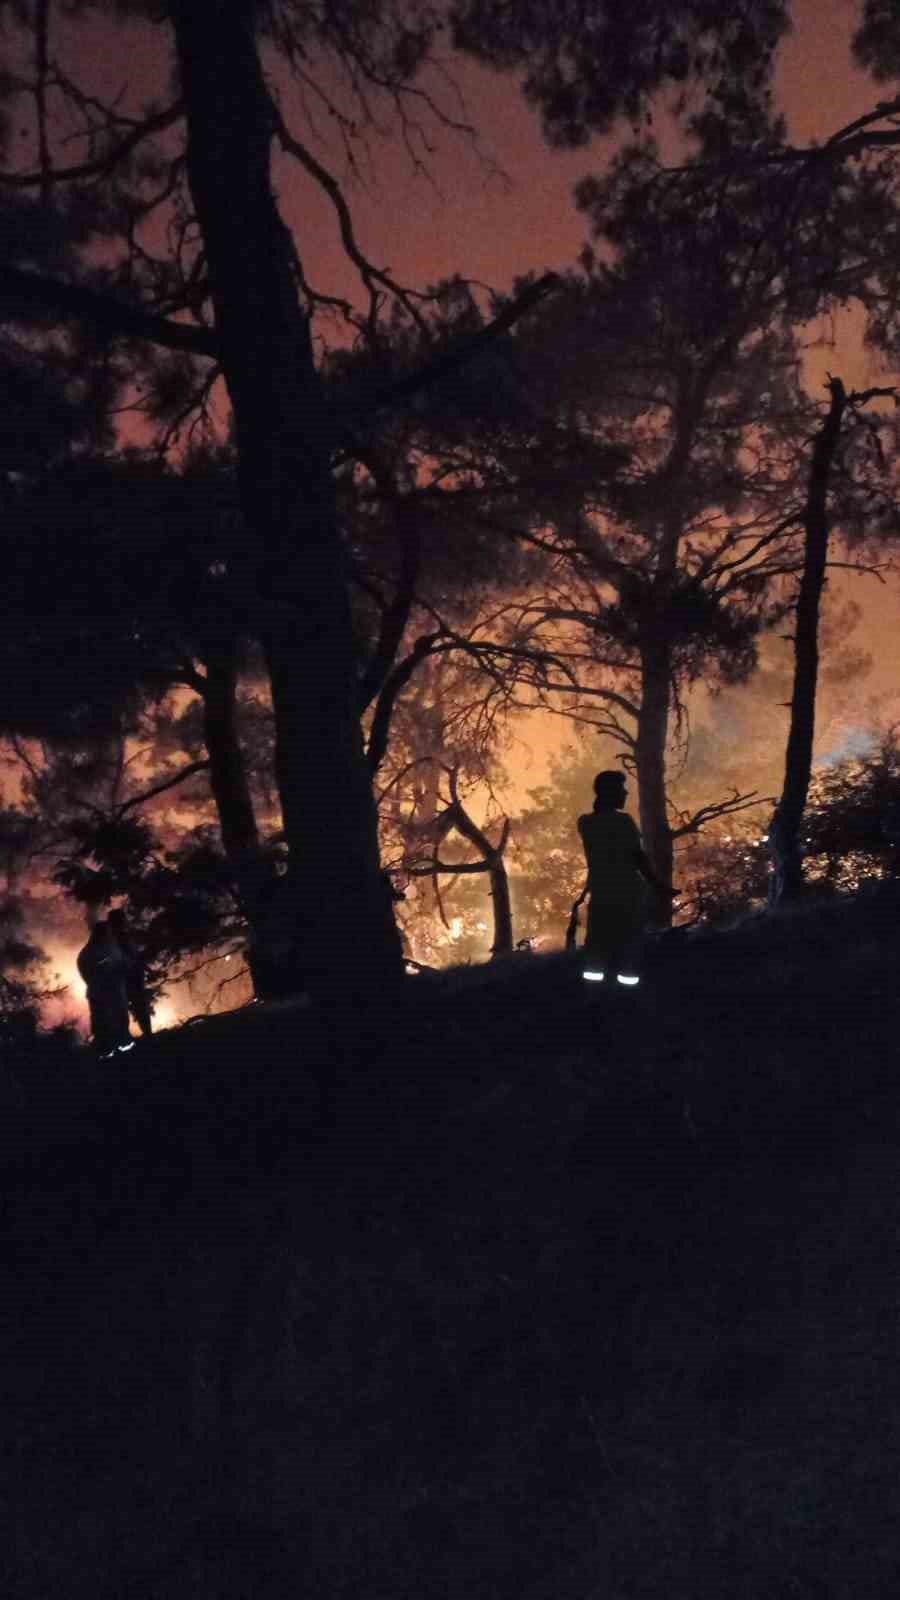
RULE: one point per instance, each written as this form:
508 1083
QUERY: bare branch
419 761
395 615
101 166
884 108
372 276
862 397
396 680
435 866
160 788
460 354
720 808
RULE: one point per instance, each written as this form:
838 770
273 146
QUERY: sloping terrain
515 1287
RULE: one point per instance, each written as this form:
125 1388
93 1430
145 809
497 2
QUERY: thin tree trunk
655 643
294 571
496 869
650 757
502 909
397 680
786 883
397 614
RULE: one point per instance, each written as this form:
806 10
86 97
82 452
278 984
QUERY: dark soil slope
513 1287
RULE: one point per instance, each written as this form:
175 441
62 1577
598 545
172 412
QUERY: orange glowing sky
489 229
462 216
470 222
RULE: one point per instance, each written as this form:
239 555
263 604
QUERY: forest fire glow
66 1003
632 592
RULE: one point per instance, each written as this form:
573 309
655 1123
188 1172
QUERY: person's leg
595 955
627 956
611 950
118 1018
592 968
101 1031
139 1003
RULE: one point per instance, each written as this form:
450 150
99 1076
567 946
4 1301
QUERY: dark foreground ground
519 1289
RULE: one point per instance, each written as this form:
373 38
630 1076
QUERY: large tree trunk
227 772
253 876
650 757
786 882
294 571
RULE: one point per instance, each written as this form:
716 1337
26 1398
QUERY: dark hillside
516 1287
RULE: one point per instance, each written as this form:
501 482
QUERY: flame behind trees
225 290
649 435
222 280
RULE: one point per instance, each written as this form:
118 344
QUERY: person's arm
667 890
642 863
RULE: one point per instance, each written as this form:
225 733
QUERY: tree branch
160 788
35 291
720 808
32 291
460 354
447 866
101 165
371 276
395 681
395 615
